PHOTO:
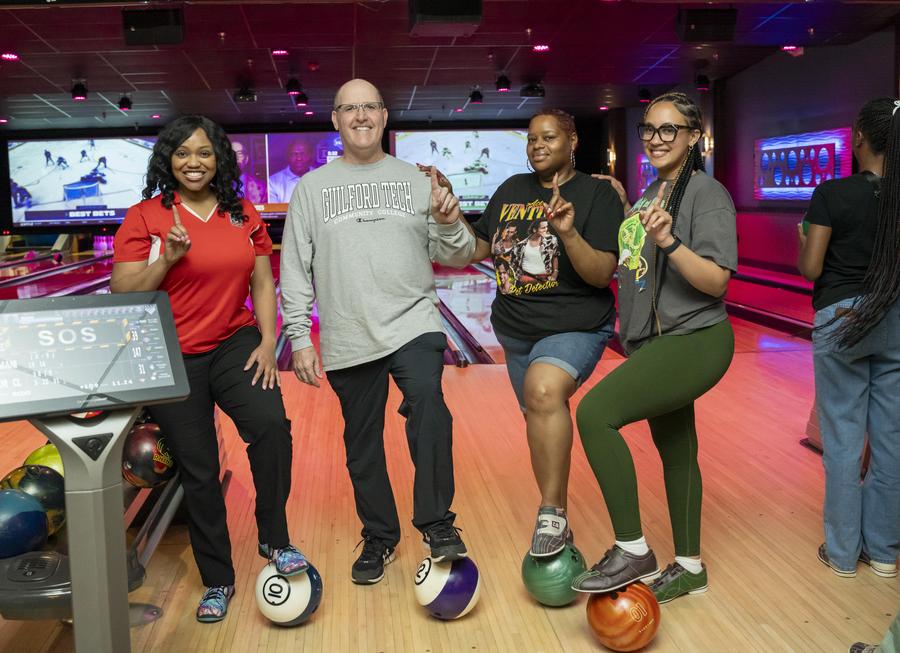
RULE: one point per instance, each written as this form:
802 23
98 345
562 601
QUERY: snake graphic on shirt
632 237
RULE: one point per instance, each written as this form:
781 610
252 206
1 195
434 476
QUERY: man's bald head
356 91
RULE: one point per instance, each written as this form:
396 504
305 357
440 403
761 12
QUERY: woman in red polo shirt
196 238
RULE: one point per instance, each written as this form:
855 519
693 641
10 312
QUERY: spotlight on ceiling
476 97
124 103
644 96
503 84
293 87
300 99
79 91
245 94
532 90
702 83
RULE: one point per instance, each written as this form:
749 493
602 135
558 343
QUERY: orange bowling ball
626 619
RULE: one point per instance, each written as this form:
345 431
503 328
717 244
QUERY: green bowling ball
48 456
549 579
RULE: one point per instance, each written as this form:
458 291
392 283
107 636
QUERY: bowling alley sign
790 167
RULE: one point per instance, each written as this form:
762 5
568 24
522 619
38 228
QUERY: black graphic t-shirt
539 293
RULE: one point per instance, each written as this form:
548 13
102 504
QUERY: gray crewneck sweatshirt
360 240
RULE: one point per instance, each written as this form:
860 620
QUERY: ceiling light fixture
476 96
300 99
503 84
79 91
124 103
293 86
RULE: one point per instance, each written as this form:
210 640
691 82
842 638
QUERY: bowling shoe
288 561
551 532
677 581
862 647
616 569
825 560
883 569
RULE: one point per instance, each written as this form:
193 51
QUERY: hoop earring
572 158
528 164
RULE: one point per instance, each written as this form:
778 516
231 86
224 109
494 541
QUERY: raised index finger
556 185
434 180
175 214
659 195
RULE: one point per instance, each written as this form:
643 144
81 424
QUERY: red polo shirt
209 286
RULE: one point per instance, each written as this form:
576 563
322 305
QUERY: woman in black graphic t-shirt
552 236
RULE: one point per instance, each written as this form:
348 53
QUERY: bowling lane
57 283
777 301
468 293
25 267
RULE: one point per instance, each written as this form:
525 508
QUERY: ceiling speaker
153 26
444 17
708 25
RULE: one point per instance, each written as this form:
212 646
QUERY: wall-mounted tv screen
67 184
476 161
790 167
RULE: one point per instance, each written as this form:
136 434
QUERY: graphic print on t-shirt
526 254
632 237
367 202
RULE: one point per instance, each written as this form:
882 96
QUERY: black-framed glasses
367 107
667 132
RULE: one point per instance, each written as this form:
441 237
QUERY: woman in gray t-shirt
677 250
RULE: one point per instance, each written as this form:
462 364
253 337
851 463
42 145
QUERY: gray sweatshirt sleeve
450 244
296 271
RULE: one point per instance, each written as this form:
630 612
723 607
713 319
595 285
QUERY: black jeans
218 377
417 368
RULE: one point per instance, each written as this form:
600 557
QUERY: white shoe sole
372 581
645 579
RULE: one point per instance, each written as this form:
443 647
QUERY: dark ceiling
601 52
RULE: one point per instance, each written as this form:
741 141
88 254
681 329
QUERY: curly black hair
226 183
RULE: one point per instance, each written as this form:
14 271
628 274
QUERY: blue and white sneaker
214 603
289 561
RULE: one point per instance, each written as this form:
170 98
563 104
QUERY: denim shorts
575 352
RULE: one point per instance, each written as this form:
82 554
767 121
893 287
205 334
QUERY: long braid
879 121
672 201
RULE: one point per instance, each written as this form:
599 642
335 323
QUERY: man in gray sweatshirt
360 237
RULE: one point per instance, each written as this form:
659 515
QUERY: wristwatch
676 243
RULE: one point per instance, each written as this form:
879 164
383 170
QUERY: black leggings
218 378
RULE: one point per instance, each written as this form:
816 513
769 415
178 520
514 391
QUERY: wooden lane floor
761 527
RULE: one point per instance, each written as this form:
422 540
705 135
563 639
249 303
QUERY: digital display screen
475 161
60 183
104 353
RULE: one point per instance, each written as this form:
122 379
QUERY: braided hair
879 122
226 183
672 202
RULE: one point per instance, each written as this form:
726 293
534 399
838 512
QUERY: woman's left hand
560 213
266 367
657 221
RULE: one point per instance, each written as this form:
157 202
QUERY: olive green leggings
659 382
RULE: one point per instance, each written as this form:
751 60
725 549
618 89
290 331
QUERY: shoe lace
443 531
373 548
670 573
219 593
290 548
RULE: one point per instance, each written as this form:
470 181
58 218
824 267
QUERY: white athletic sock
691 564
634 547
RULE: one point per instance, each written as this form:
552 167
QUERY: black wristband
671 248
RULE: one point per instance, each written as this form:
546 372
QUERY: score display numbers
82 354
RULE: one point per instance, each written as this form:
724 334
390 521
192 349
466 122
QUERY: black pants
363 390
218 377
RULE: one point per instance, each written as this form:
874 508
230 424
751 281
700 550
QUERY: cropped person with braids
194 237
554 251
852 252
677 250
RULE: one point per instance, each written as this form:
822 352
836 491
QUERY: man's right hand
307 365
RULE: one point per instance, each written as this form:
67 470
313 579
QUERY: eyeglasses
667 133
367 107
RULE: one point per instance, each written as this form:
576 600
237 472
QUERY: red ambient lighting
541 47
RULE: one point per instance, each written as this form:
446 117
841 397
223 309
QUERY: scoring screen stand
92 459
111 353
